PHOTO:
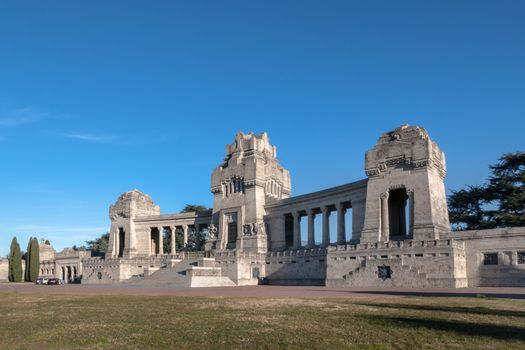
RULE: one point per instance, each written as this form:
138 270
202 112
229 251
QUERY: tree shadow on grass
455 309
439 294
500 332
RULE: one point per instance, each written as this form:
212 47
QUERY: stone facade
66 265
399 233
4 270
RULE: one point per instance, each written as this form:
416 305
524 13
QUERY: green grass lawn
32 321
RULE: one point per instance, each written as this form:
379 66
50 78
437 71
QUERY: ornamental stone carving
407 147
253 229
212 232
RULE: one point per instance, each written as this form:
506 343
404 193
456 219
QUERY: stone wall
294 267
506 243
4 270
297 267
239 266
108 271
431 263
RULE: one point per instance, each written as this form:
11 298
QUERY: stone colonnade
47 271
68 273
311 213
173 230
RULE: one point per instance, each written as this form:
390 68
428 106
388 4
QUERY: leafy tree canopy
194 207
498 203
98 246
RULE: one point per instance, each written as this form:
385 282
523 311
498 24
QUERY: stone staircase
185 274
366 274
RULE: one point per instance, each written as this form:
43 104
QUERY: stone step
187 273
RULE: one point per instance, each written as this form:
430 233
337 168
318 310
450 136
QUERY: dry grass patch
32 321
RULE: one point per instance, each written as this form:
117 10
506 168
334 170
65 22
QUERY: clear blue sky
99 97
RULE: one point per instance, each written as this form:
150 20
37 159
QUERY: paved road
262 291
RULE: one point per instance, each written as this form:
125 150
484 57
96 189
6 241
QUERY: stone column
185 232
326 226
410 212
311 228
296 230
385 230
132 237
115 242
341 235
173 245
161 240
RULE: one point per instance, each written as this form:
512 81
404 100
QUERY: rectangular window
490 259
521 257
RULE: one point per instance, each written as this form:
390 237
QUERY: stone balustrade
398 244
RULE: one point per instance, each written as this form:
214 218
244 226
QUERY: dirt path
262 291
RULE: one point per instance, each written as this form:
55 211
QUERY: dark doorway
121 241
232 235
155 240
288 230
397 203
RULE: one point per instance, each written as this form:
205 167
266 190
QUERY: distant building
4 270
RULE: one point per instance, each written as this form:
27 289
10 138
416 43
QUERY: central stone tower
406 192
249 177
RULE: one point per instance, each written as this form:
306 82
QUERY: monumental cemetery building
399 234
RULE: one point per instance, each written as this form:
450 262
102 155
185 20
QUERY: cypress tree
15 262
34 260
28 260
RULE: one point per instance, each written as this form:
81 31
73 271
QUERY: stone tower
249 177
123 240
406 192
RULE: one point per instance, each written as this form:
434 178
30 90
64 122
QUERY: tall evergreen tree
15 262
467 209
99 246
499 203
34 260
28 261
506 189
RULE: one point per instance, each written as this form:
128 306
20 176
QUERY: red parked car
53 281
